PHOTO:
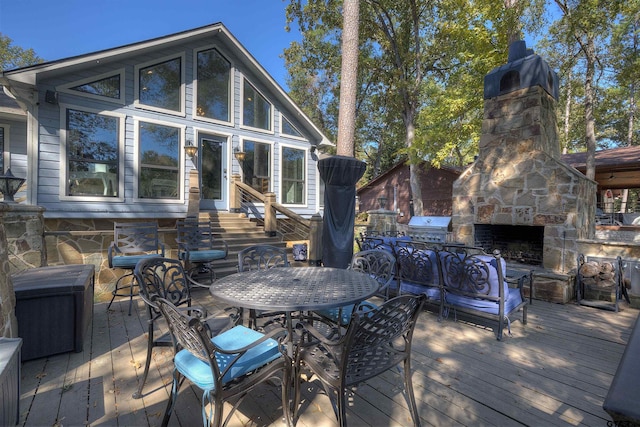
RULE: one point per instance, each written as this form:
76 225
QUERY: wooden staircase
239 232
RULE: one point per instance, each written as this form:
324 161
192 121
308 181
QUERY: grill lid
440 222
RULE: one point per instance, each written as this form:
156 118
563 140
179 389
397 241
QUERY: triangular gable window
109 87
289 129
106 87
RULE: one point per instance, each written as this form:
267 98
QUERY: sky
57 29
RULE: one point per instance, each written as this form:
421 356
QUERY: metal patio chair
380 264
166 278
225 367
375 341
198 248
262 257
132 242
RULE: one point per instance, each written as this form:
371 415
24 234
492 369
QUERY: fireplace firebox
516 243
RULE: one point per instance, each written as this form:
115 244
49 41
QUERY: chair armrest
277 333
111 252
306 328
226 247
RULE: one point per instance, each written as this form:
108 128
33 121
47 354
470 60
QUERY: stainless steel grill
431 229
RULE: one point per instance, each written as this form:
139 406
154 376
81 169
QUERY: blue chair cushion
345 312
204 255
491 307
432 292
129 261
199 372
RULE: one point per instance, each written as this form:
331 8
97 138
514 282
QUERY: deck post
234 194
270 215
315 240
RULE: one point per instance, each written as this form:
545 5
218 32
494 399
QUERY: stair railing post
315 240
234 195
270 216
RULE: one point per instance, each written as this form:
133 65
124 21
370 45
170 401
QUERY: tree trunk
414 170
590 133
348 80
567 114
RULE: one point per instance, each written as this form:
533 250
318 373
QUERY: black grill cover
340 175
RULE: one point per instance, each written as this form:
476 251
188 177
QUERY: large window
293 173
160 85
92 154
213 86
159 161
256 110
256 167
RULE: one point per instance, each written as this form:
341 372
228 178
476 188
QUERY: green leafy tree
12 56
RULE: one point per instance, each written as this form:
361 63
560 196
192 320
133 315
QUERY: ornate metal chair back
262 257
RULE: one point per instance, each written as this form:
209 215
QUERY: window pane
289 129
256 167
293 175
160 85
159 161
92 154
109 87
214 77
256 111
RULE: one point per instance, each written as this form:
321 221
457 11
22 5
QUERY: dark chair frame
166 278
378 263
262 257
198 248
132 241
189 333
375 341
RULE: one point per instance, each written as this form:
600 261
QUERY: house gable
85 87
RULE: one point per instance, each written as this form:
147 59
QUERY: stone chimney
518 196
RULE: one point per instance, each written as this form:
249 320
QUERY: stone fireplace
518 196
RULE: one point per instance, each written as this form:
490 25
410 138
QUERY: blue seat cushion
345 312
129 261
199 372
204 255
491 307
432 292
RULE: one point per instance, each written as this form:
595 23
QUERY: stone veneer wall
8 321
518 179
24 225
86 241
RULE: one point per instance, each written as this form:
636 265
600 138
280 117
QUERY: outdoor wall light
239 155
9 185
190 149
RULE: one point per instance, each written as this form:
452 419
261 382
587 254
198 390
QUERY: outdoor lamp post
9 185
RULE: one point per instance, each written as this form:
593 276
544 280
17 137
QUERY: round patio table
294 288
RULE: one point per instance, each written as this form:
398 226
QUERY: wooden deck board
555 370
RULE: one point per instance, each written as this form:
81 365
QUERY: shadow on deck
555 370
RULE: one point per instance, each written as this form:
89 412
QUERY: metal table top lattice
293 289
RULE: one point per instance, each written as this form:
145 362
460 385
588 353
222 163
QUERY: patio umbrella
340 175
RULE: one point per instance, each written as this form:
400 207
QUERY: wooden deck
554 371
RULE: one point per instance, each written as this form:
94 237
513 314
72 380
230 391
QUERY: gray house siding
15 155
52 122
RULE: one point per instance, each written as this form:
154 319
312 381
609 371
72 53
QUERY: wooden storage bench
54 307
